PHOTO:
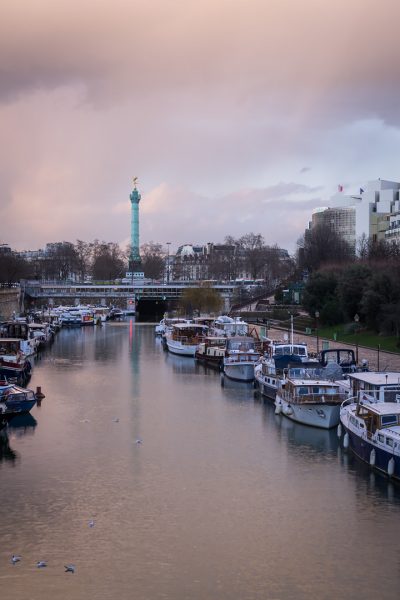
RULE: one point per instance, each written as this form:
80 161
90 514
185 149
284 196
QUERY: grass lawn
363 338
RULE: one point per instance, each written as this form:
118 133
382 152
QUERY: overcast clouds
236 115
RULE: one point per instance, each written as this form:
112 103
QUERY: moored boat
371 420
211 351
14 401
240 358
183 338
229 326
274 364
13 363
310 400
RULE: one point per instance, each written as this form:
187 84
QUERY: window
381 438
389 442
389 420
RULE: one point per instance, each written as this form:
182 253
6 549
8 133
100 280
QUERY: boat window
389 420
381 438
389 442
303 390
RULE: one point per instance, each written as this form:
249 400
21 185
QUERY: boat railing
348 400
242 357
323 397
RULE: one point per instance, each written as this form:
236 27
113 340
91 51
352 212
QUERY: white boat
20 329
274 364
371 420
183 338
314 402
241 356
166 323
229 326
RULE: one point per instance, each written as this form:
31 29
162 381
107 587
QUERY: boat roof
37 325
241 338
374 378
384 408
280 343
188 326
2 340
299 382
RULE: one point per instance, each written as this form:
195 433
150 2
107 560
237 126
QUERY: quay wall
9 302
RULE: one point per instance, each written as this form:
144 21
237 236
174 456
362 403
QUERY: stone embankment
9 302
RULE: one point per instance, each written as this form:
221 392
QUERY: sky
236 116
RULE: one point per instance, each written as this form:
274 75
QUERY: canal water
196 491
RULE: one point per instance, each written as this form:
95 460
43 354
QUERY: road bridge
51 293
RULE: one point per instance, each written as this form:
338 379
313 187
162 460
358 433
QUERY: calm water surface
222 499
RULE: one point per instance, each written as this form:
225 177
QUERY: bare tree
152 260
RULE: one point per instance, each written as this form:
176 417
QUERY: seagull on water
91 523
116 420
69 568
15 558
138 442
41 563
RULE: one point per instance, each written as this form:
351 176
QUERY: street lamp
316 328
168 245
356 320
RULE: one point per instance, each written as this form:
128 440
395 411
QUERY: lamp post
168 245
316 328
356 320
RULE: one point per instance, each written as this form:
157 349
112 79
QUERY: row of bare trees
100 260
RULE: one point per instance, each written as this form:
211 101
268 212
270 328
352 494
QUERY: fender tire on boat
372 457
390 467
346 441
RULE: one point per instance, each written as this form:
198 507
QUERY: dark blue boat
14 401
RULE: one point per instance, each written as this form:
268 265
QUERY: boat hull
239 371
211 361
181 349
266 389
363 447
321 414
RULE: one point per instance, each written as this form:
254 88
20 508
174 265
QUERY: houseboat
310 400
371 420
241 356
211 351
13 363
183 338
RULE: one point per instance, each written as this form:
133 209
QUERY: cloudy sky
236 115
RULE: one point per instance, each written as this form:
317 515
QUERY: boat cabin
309 391
188 333
10 347
344 357
380 416
375 387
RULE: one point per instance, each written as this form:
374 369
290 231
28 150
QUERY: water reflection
181 364
296 434
23 425
7 454
370 483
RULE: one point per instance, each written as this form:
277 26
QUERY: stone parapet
9 302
